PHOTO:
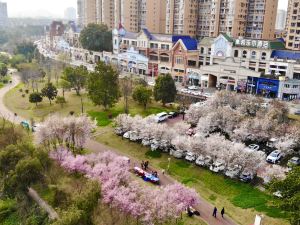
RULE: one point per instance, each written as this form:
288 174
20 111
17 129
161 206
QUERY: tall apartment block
280 20
207 18
3 14
133 14
293 25
181 17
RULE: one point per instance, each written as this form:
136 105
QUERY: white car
146 142
193 88
127 135
154 145
233 171
203 161
274 157
254 147
217 166
134 136
179 154
190 156
161 117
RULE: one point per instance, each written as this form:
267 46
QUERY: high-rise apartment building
3 14
280 20
90 12
80 12
70 14
182 16
261 19
132 14
293 25
207 18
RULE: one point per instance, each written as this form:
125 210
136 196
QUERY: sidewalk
205 208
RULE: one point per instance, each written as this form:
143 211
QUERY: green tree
96 37
17 59
4 58
3 69
103 86
142 95
9 157
64 85
35 97
290 191
61 101
76 77
72 216
49 91
165 89
27 49
126 89
27 172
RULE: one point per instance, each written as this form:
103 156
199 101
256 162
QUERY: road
205 208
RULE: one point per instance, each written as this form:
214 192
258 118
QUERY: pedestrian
223 212
163 172
215 212
146 165
143 165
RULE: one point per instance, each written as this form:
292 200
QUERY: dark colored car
173 114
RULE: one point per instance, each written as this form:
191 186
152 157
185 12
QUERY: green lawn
242 201
16 103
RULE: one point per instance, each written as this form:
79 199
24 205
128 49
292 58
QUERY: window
244 54
263 56
179 60
253 54
236 53
202 50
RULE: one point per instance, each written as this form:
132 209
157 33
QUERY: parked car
193 88
179 154
246 176
233 171
154 145
161 117
204 161
146 142
172 115
134 136
253 147
127 135
217 166
297 113
190 156
274 157
295 161
277 194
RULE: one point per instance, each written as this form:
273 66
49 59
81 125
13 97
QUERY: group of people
145 165
216 210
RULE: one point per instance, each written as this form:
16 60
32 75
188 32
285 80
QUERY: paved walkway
205 208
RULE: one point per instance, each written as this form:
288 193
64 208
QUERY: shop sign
252 43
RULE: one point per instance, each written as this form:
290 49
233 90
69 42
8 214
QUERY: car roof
161 114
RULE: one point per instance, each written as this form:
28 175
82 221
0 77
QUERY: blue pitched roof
175 38
284 54
190 44
148 34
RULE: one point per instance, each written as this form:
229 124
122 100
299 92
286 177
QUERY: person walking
223 212
215 212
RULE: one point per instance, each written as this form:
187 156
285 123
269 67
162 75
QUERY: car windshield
274 154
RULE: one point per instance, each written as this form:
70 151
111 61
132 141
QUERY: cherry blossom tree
273 172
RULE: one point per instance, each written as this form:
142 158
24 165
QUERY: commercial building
293 25
3 14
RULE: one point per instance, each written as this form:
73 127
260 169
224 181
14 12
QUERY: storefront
289 90
133 62
268 88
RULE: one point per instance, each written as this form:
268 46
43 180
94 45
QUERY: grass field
16 103
241 201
